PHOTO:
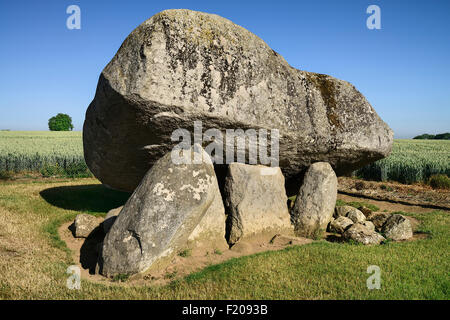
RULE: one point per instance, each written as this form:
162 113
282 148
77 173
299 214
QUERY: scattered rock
160 215
84 224
414 223
366 211
341 211
255 201
340 224
369 225
378 219
182 65
360 233
397 227
356 216
110 218
316 199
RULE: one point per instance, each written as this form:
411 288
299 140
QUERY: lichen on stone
327 89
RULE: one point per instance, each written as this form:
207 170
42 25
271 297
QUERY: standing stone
255 201
211 229
84 224
212 225
316 199
182 65
160 215
397 228
362 234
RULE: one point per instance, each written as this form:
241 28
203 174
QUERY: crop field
411 161
61 154
46 152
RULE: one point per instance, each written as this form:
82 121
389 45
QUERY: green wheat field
61 154
51 153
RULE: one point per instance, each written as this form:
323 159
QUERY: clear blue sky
403 69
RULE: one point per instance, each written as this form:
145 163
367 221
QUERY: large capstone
161 214
180 66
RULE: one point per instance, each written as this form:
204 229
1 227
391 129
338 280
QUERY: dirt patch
75 245
85 252
416 194
385 205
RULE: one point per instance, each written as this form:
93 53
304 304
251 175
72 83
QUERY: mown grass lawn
33 260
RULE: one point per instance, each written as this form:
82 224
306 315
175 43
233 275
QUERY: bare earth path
386 205
416 194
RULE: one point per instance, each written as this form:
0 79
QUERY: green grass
29 219
357 204
410 161
122 277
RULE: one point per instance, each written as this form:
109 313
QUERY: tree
441 136
425 136
60 122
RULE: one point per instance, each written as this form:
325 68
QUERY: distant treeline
441 136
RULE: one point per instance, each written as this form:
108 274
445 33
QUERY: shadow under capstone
85 198
91 249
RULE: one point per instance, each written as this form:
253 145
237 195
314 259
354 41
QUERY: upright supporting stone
316 199
255 202
210 232
161 214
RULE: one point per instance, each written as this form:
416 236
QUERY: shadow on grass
93 198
